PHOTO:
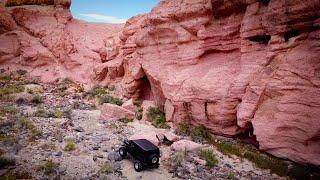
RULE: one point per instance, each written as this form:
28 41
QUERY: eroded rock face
44 39
232 65
229 65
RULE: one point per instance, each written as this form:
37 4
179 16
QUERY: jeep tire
138 166
123 152
154 159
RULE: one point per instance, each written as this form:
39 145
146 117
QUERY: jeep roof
145 144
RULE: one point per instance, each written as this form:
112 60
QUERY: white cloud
103 18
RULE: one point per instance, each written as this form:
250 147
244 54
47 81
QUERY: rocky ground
55 131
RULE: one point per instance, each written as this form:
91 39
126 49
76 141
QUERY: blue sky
110 11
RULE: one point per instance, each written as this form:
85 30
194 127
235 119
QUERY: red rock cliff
230 65
42 37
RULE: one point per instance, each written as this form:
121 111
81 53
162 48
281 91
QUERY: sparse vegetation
138 113
10 89
57 113
36 99
28 124
70 146
97 91
200 134
265 162
157 118
110 99
7 110
13 175
209 157
178 158
22 72
227 148
5 161
183 129
49 167
105 168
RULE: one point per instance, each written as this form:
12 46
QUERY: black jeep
144 153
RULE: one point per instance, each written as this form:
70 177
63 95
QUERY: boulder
185 145
111 111
145 106
129 105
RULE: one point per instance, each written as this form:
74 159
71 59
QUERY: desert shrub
36 99
13 175
58 113
7 110
110 99
178 158
183 129
70 146
28 124
42 112
48 167
9 139
105 168
96 91
22 72
227 148
138 113
209 157
10 89
157 118
200 134
5 161
265 162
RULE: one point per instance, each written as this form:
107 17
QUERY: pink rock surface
48 42
185 145
129 105
111 111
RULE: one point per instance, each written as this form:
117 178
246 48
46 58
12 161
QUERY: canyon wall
231 65
42 37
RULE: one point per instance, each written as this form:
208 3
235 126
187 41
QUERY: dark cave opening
145 91
290 34
249 136
265 2
263 39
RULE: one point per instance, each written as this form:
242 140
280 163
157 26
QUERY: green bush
7 110
178 158
209 157
10 89
157 118
138 113
264 162
97 91
227 148
49 167
200 134
36 99
105 168
70 146
28 124
183 129
110 99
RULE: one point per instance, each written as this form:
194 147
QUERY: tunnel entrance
145 91
249 137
